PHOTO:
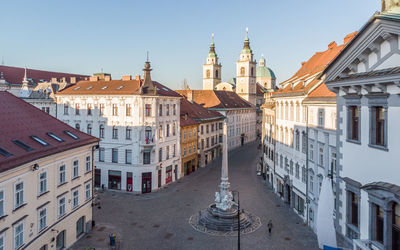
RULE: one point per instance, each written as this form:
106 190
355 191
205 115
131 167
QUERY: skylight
165 89
34 137
5 153
22 145
104 87
89 87
120 87
55 137
71 134
77 88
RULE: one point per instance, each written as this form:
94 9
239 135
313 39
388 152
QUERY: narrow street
160 220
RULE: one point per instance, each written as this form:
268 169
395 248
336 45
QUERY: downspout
274 143
307 199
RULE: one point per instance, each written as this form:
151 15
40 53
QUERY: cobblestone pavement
159 220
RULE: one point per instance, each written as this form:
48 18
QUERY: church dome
263 71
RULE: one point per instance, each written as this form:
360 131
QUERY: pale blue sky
84 36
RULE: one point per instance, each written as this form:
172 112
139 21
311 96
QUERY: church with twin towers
251 81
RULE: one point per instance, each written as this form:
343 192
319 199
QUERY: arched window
216 73
291 138
291 111
286 136
114 132
101 131
78 126
252 71
89 129
297 112
297 140
304 142
281 108
208 73
286 111
242 71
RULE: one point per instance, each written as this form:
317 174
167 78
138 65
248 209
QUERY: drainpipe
307 199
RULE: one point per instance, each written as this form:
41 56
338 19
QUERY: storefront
114 179
146 182
168 174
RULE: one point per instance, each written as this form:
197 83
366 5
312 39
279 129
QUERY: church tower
212 69
246 73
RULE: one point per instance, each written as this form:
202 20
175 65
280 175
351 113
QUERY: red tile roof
113 87
15 75
23 121
311 70
197 112
217 99
321 91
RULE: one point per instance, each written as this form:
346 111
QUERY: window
101 108
146 157
396 226
303 174
101 154
61 174
2 241
286 111
128 132
297 140
291 111
311 182
174 151
304 142
89 128
174 129
18 235
297 171
128 156
114 132
42 219
201 129
76 108
298 203
291 167
167 153
320 117
353 213
2 205
78 126
88 191
281 161
321 156
148 110
174 109
46 109
207 142
353 123
115 109
79 226
216 73
252 71
242 71
160 132
184 134
167 107
128 109
207 129
101 131
311 152
75 198
184 151
114 155
297 112
167 130
379 218
75 169
208 74
42 182
55 137
66 108
160 110
61 207
378 126
89 109
160 155
19 194
88 164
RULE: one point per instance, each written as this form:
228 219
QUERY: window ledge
20 206
353 141
62 184
20 247
354 228
43 193
43 229
76 177
3 216
87 172
384 148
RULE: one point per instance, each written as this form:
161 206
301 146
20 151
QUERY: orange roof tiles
197 112
23 121
321 91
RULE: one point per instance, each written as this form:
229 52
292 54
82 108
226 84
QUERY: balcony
365 245
147 141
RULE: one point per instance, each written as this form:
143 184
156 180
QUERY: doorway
129 184
146 182
60 241
242 140
159 178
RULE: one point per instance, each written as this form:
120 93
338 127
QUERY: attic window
77 88
104 87
39 140
165 89
120 87
88 88
22 145
55 137
71 134
5 153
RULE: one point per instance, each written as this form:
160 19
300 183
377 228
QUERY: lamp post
238 216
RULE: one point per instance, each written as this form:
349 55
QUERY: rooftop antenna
247 31
147 56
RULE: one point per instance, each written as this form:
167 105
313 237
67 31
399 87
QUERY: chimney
137 78
332 45
72 79
349 37
126 78
94 78
107 78
302 63
189 96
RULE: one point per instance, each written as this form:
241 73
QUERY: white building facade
366 79
138 124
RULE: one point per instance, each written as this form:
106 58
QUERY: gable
376 47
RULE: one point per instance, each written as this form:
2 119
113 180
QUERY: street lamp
238 215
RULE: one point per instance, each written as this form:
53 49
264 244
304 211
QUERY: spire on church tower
246 47
148 86
24 92
212 69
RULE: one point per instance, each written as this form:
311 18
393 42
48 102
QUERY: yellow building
46 178
188 144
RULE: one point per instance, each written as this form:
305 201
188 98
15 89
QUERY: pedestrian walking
270 226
